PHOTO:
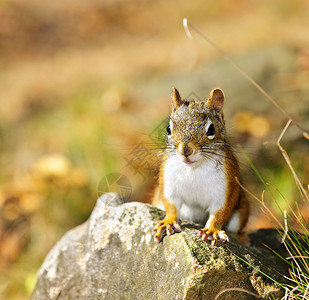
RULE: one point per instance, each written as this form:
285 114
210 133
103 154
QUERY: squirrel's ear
216 100
176 98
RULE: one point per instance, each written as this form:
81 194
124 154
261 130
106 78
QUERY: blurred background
84 96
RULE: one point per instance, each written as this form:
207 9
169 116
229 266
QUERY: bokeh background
85 90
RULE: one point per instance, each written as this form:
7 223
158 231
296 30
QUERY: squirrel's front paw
213 235
168 225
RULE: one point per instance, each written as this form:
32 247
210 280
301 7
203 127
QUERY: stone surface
114 256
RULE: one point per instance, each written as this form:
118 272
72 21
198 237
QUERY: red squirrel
197 177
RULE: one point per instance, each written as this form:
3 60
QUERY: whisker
221 150
219 155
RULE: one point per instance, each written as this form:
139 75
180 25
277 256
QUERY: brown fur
188 117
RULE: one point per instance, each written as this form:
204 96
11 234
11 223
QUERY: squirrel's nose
185 150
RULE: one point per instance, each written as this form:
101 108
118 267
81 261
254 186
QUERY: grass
294 230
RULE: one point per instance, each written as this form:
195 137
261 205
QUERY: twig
284 131
261 201
286 229
238 290
285 155
187 24
297 256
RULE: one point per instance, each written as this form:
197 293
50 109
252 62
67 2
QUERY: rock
114 256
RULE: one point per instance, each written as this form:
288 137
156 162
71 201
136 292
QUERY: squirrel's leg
169 224
213 230
243 209
239 216
218 216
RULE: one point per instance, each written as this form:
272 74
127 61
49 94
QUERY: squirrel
198 175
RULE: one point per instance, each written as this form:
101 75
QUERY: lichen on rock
114 256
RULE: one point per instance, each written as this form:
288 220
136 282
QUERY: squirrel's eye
168 129
210 130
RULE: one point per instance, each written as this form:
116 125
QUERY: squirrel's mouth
188 161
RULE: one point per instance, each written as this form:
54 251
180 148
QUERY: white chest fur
194 190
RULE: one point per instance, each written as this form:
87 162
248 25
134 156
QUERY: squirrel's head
196 128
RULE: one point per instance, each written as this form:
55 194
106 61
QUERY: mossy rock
114 256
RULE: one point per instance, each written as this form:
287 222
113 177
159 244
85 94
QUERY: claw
159 233
213 236
176 227
168 229
223 236
157 239
168 226
204 233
